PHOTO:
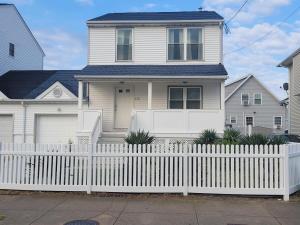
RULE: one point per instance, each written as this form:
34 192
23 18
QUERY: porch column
80 94
222 103
149 95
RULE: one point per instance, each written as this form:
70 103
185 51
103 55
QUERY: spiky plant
278 140
207 137
231 137
254 139
139 137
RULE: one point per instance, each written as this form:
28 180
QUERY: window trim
185 96
242 98
13 48
245 120
185 44
281 125
236 119
261 99
132 45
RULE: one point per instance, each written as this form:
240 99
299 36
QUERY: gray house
251 107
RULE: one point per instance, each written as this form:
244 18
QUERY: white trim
261 100
245 121
245 93
184 96
116 45
57 83
151 21
236 119
82 77
281 125
236 80
2 96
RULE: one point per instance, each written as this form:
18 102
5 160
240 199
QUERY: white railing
217 169
184 122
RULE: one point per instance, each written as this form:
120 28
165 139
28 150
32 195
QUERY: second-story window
124 44
11 49
175 44
194 44
257 99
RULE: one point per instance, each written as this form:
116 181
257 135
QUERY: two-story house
19 50
159 72
292 63
252 108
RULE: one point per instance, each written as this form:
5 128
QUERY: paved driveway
59 208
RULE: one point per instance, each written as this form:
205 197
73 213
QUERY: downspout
24 121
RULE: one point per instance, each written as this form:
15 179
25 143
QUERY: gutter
96 77
90 22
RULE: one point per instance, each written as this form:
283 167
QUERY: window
257 99
175 44
194 44
124 44
245 99
249 120
11 49
185 97
278 121
233 119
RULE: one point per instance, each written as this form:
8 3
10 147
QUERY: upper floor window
257 99
185 97
175 44
124 44
11 49
245 99
194 44
278 121
185 44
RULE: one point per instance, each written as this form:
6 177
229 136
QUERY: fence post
89 169
286 174
185 170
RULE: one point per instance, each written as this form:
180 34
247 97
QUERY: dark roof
154 70
188 15
28 84
5 4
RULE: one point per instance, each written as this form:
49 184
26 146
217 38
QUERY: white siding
28 55
149 46
101 96
295 100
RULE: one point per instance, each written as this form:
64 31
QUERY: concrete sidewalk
59 208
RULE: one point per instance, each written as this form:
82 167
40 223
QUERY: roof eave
88 77
151 21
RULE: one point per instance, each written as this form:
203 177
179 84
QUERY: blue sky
60 28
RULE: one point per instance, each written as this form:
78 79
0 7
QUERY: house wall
28 55
30 110
230 88
294 71
101 96
149 45
263 114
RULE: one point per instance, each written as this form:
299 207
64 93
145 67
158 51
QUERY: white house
158 72
19 50
252 107
292 63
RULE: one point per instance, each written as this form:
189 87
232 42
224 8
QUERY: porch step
112 138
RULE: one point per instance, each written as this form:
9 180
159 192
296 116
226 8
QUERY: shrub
278 140
254 139
207 137
139 137
231 137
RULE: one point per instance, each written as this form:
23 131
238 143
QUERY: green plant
207 137
139 137
278 140
254 139
231 137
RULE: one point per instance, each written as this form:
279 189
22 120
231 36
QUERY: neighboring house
38 107
158 72
19 50
249 103
293 64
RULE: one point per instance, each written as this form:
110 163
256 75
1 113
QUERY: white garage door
56 129
6 128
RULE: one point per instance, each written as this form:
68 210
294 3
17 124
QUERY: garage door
6 128
56 129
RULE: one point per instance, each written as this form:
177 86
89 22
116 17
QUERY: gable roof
289 59
159 16
145 71
244 81
28 84
26 26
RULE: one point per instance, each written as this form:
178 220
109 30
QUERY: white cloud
150 5
85 2
63 50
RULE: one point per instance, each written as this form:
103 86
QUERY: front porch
167 108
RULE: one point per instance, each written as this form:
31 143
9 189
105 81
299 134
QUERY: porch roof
156 71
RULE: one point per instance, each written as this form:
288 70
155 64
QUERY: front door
123 106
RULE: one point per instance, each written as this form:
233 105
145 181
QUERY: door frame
13 124
132 87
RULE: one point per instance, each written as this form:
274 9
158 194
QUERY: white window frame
242 98
275 125
261 100
185 44
185 96
116 44
235 119
245 120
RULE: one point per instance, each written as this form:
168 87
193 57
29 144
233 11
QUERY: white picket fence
218 169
